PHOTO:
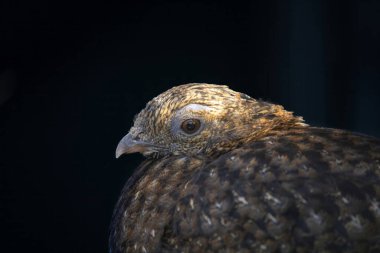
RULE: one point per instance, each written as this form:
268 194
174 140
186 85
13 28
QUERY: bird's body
287 187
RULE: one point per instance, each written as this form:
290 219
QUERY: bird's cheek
173 147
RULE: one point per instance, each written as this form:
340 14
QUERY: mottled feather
255 179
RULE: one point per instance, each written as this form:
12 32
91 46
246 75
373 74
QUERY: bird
225 172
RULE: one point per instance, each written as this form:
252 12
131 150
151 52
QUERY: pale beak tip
128 145
121 149
123 146
118 154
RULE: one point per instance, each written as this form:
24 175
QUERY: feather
254 179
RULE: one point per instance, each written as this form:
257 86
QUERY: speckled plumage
254 179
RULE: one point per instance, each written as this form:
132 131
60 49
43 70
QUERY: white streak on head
196 107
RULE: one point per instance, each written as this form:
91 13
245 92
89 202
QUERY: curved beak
128 145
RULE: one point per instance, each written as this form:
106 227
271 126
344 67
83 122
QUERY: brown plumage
228 173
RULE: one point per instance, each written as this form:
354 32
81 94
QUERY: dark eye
190 126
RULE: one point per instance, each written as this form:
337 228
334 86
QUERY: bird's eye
191 126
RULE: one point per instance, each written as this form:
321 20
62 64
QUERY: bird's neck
268 119
260 120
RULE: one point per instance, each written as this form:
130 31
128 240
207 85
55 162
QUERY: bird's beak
128 145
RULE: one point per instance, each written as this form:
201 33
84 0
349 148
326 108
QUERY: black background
72 76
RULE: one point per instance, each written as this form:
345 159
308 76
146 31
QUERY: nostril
138 137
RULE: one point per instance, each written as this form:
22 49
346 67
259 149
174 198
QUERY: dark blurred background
72 76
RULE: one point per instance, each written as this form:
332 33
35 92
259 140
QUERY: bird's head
201 119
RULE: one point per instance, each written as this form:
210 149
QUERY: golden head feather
202 119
